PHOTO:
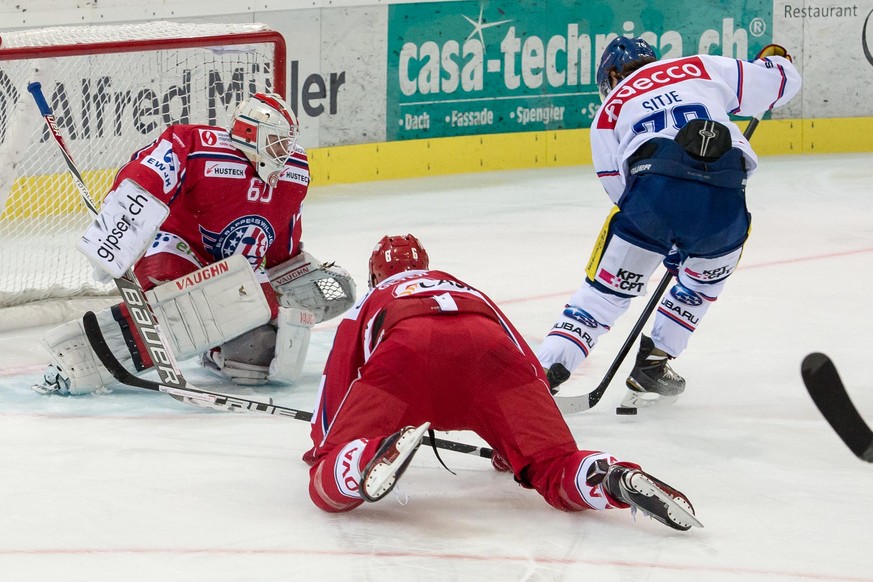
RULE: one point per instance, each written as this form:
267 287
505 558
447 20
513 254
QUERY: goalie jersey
218 205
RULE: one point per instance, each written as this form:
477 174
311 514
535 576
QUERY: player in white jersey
675 166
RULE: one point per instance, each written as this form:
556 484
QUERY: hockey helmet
623 56
395 254
265 129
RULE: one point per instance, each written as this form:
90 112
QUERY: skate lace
667 372
433 440
660 366
400 495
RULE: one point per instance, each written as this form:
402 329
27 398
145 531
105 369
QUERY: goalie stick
829 394
130 290
227 402
573 404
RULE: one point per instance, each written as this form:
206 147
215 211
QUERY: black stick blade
107 358
827 391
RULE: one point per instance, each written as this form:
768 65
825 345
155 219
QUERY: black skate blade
676 516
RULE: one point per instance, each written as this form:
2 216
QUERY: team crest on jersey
249 236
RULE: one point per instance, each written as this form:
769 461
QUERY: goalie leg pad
266 353
205 308
245 359
294 326
196 312
324 289
71 352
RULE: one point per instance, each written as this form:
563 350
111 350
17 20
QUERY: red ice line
14 371
742 267
239 552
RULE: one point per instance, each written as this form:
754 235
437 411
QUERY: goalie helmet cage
113 89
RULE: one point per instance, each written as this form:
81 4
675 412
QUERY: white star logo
479 26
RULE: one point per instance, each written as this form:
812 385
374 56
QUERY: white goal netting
112 89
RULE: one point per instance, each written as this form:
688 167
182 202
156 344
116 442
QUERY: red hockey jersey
218 204
362 328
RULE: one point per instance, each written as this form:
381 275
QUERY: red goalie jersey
219 206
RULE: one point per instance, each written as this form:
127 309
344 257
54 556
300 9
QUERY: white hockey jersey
659 98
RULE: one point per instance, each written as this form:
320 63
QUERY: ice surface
135 486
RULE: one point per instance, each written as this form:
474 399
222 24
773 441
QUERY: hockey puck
626 410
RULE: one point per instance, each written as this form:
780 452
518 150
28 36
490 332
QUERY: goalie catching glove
323 289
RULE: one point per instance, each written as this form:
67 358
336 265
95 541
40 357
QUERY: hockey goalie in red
424 350
210 222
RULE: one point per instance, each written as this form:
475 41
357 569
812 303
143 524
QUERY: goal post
113 89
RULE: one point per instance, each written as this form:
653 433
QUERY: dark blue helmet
623 55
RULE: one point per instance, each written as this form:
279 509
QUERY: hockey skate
650 495
652 380
54 381
393 456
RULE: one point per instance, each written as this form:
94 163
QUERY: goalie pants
460 372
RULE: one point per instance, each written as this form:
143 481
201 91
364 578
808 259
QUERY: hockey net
113 89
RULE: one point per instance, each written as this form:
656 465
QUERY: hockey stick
131 293
572 404
227 402
829 394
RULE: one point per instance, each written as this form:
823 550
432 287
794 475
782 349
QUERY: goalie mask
265 130
622 56
395 254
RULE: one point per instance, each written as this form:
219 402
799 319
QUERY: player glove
672 262
774 50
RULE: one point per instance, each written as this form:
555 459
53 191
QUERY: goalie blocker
123 230
220 303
